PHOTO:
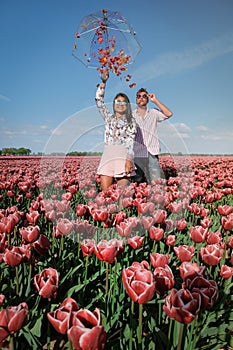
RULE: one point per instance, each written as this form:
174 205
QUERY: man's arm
164 109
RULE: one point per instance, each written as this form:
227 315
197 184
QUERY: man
146 147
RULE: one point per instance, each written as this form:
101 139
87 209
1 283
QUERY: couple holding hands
131 144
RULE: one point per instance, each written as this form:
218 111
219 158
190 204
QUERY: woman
120 130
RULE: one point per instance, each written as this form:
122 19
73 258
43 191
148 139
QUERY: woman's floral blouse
117 130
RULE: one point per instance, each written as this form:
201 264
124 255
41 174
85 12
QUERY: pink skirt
113 160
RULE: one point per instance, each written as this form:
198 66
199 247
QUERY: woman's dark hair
129 110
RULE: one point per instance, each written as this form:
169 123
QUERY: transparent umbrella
106 40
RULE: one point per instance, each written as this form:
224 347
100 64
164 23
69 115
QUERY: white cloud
203 128
174 62
4 98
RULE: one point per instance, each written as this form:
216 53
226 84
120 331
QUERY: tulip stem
17 280
180 338
86 268
11 343
61 246
140 324
106 285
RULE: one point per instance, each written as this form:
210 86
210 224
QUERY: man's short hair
142 90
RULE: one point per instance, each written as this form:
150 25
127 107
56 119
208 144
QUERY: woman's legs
123 182
105 182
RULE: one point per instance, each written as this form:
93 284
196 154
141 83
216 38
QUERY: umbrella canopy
106 40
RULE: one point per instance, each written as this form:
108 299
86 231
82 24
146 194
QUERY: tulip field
142 268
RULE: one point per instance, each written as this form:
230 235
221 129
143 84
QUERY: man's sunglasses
142 96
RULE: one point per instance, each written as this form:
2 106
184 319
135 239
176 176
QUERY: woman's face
120 105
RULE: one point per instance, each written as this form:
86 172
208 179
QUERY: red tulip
227 222
99 214
225 209
198 234
30 233
87 246
207 289
139 282
211 254
147 222
33 217
87 333
164 279
144 208
171 240
108 250
7 224
136 241
182 305
214 237
47 283
13 256
124 228
181 224
64 227
226 271
159 260
12 319
2 297
82 210
119 217
191 270
159 216
62 318
156 233
206 222
184 252
42 245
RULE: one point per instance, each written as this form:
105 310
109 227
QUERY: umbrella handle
104 75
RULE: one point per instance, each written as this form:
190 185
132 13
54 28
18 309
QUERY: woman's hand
128 166
105 75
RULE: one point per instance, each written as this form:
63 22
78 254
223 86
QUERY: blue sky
47 96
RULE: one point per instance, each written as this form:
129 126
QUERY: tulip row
79 269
